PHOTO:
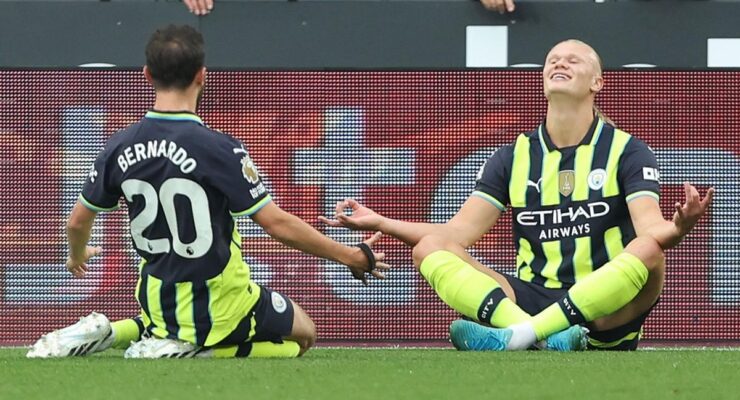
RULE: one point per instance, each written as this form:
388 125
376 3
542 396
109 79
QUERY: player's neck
568 122
175 100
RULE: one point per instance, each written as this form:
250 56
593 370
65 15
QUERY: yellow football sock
469 291
126 331
598 294
287 349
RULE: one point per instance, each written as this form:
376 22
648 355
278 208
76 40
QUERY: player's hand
501 6
199 7
360 265
362 218
78 268
688 214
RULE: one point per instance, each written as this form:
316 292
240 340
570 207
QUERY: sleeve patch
650 174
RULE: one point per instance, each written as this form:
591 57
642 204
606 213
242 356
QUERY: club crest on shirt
249 170
596 179
566 180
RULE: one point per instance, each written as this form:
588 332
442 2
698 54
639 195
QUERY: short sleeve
239 179
98 192
638 171
492 182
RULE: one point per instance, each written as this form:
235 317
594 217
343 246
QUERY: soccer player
588 230
184 185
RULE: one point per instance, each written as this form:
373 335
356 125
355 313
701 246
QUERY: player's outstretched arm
79 227
474 219
296 233
648 219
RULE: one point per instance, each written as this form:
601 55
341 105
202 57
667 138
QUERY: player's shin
469 291
599 294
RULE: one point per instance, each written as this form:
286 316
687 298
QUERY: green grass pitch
381 374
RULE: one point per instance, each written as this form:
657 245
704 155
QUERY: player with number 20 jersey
183 183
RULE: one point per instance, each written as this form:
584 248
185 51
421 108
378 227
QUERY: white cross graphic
344 167
50 284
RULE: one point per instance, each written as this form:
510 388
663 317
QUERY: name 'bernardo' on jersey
568 215
157 148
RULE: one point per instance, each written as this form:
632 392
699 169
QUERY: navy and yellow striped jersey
183 183
569 204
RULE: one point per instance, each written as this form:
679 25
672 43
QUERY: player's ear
597 84
148 75
200 76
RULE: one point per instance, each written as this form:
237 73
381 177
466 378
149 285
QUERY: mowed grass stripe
381 374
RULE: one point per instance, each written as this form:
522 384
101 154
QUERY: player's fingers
195 7
374 238
339 208
382 266
708 198
379 256
500 6
353 204
378 274
679 209
78 271
344 220
492 5
203 8
687 191
330 222
93 251
690 200
695 198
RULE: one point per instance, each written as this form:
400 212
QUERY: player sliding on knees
588 231
184 185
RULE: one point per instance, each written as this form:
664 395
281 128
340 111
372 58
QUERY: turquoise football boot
471 336
571 339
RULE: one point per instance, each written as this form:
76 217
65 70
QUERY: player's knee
426 246
308 338
649 252
304 329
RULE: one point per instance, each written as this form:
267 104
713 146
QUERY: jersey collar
174 116
591 138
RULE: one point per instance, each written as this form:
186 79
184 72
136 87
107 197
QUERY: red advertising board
407 144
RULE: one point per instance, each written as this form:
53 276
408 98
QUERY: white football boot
89 335
164 348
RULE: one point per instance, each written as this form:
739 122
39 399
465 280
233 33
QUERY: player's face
571 69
